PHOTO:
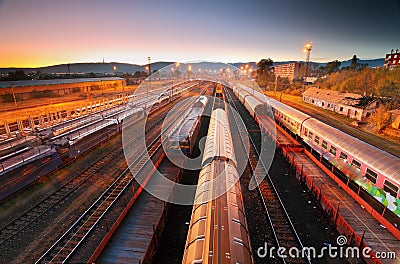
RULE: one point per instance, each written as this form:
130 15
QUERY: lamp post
149 65
307 51
147 86
189 71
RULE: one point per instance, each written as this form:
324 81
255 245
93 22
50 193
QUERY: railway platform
131 243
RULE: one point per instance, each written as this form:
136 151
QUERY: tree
140 74
16 76
354 63
264 75
264 65
91 75
332 66
380 119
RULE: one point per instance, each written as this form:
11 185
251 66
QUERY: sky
45 32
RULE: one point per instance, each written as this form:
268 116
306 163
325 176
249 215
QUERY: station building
348 104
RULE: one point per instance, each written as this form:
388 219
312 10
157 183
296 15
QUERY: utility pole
15 98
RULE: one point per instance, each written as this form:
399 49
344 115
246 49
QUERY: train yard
90 204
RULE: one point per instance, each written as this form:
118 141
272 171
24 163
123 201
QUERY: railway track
283 230
30 216
70 241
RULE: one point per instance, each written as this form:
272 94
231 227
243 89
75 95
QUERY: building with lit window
293 71
392 59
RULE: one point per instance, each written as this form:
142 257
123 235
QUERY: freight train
218 230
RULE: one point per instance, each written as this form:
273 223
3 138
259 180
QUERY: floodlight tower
307 51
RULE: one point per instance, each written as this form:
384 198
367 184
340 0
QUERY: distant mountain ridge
88 67
108 67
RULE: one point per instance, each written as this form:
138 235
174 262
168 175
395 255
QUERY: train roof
287 110
254 92
379 160
219 141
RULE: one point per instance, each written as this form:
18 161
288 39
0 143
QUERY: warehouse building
24 90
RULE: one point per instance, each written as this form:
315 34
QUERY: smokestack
391 51
397 50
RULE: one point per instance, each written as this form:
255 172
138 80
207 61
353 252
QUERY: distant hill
95 67
371 63
107 68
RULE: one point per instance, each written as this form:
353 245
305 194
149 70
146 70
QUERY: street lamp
147 86
307 51
189 71
149 66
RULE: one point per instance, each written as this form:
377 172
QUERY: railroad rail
29 217
283 230
70 241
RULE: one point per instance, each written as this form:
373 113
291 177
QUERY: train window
390 188
333 150
324 144
371 175
305 131
356 163
316 139
310 134
343 155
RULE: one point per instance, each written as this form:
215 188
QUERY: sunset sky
45 32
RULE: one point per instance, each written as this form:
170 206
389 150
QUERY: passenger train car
375 170
218 230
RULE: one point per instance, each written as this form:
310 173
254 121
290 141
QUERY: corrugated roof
6 84
338 97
